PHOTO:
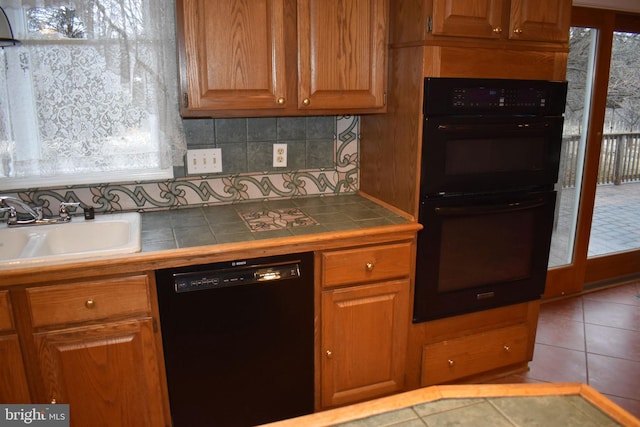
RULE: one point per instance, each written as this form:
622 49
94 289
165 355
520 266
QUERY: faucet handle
64 212
38 211
13 216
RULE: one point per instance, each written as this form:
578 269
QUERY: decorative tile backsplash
247 143
322 160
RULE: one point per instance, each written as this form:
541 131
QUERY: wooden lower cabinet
462 357
13 381
472 347
93 344
108 373
364 333
365 319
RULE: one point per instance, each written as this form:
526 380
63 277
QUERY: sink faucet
34 215
10 203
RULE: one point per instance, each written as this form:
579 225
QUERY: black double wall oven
490 158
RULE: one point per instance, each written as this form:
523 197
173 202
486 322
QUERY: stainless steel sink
79 239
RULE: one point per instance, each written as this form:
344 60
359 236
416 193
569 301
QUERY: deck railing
619 159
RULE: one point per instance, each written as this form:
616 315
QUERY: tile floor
592 339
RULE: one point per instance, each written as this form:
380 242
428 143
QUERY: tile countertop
495 405
200 235
241 222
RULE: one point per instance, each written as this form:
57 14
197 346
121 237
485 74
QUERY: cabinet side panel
390 148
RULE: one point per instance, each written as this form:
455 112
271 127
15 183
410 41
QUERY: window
90 95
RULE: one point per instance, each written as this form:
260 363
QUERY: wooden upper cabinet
540 20
235 54
342 48
536 21
248 58
481 18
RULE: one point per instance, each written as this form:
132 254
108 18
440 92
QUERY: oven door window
483 249
472 154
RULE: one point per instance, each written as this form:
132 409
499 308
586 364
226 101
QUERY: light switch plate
279 155
204 161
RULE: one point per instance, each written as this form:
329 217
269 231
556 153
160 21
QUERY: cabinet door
108 374
13 381
540 20
364 333
481 18
342 47
235 54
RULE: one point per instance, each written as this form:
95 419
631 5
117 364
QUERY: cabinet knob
281 101
53 401
329 353
517 31
90 303
507 348
306 101
369 266
451 363
497 30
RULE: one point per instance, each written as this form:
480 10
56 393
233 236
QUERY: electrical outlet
279 155
204 161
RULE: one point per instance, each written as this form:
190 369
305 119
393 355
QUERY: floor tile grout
558 361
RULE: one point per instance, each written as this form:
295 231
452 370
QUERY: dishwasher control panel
195 281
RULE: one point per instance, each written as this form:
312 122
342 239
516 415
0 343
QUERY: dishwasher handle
282 272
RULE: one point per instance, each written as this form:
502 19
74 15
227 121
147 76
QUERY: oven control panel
496 97
463 96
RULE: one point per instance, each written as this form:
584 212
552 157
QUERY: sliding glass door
616 217
597 234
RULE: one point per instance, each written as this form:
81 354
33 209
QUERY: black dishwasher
238 340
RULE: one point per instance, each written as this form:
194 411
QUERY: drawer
366 264
89 301
6 318
474 354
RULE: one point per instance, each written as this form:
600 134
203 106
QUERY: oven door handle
522 125
489 209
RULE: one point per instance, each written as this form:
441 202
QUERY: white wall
622 5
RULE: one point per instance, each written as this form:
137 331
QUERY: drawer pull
369 266
90 303
497 30
507 348
517 31
451 363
